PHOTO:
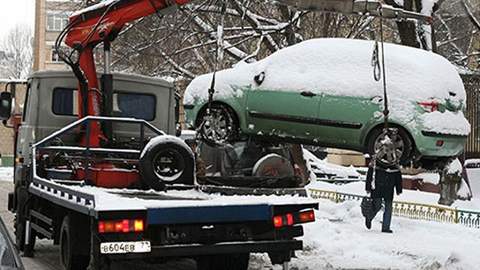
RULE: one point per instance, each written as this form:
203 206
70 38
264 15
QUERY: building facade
51 17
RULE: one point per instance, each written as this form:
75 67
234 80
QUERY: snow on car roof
339 67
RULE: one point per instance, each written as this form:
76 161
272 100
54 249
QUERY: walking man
380 182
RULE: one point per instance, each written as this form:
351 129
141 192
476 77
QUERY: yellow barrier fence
411 210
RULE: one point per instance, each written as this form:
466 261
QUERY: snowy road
338 240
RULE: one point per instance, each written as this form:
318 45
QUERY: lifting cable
388 147
218 55
379 71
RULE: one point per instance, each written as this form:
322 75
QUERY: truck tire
224 262
167 160
70 239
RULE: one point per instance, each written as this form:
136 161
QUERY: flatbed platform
174 204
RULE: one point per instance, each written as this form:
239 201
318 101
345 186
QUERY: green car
323 92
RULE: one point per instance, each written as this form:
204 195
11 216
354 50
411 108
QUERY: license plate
125 247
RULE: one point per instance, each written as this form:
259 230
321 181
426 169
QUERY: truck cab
51 103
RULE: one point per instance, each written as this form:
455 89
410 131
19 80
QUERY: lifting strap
219 55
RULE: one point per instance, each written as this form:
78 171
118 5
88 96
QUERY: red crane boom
101 23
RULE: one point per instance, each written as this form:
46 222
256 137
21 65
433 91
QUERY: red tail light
289 219
307 216
278 221
121 226
429 106
293 218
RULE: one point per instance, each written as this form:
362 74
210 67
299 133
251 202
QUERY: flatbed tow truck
95 175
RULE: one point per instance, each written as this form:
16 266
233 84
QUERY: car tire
403 139
167 160
224 262
220 127
70 239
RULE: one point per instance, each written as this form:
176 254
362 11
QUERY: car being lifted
323 92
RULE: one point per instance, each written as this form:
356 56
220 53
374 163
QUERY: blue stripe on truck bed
209 214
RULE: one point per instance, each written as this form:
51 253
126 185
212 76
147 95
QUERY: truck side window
125 104
140 106
65 101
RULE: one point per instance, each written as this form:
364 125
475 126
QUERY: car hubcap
168 165
217 126
389 150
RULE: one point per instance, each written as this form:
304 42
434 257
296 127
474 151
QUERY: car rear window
125 104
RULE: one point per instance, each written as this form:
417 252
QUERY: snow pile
6 174
319 166
432 178
339 240
447 122
455 167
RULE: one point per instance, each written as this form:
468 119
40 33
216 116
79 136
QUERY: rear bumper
452 145
194 250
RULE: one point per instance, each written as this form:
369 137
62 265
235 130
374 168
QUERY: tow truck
97 172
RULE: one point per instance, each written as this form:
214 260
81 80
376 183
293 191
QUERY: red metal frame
94 25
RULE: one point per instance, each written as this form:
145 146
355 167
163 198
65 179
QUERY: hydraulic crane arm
101 23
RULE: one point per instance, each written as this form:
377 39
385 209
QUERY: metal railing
411 210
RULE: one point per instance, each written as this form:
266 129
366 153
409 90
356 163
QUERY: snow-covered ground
6 173
339 240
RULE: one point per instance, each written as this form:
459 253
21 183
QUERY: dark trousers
387 214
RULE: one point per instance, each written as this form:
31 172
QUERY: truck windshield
125 104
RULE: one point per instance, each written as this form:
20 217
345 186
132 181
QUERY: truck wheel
167 160
224 262
70 239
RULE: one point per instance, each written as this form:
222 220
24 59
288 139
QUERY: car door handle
307 94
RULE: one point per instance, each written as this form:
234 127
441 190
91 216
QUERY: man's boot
368 223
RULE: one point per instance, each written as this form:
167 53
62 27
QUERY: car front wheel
219 126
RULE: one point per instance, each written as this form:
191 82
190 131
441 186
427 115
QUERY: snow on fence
411 210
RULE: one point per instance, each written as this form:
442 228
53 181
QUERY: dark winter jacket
385 181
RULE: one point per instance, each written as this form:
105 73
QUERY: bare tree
18 52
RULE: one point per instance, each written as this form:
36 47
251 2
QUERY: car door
282 113
342 119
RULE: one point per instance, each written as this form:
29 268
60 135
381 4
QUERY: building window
55 57
56 21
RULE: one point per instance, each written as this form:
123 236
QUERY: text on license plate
125 247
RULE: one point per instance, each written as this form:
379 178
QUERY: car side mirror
5 105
